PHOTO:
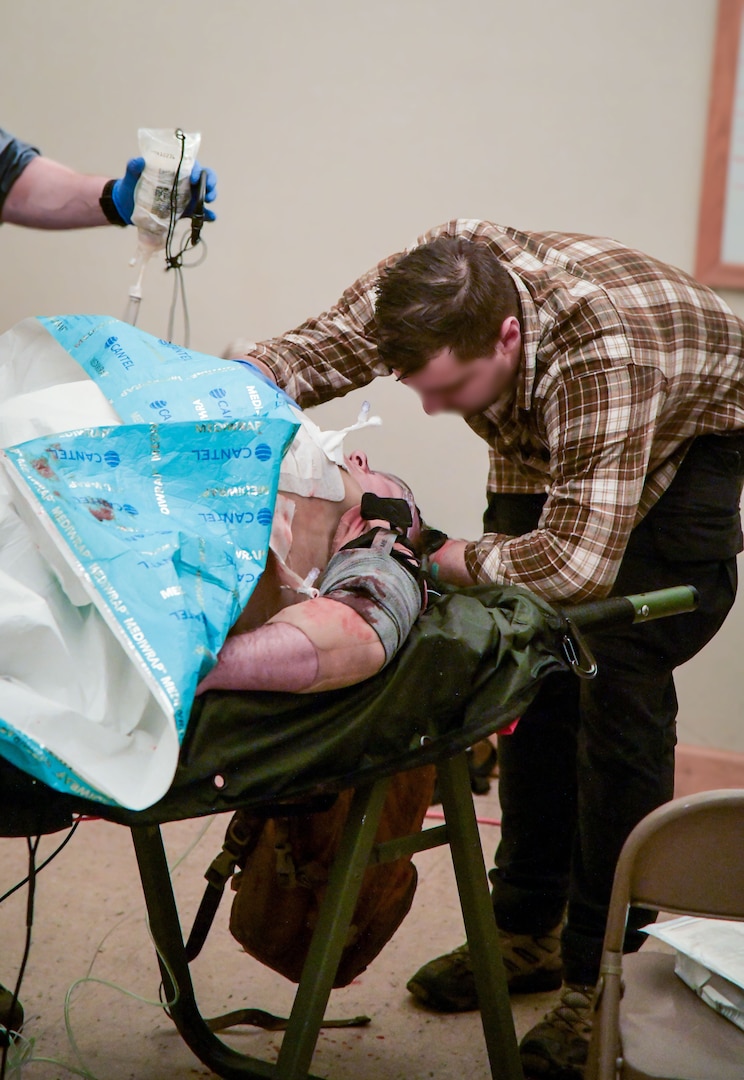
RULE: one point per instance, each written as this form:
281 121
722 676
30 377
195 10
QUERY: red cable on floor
437 815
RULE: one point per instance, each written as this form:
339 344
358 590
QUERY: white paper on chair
709 959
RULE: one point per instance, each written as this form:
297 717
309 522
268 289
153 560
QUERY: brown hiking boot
532 963
557 1047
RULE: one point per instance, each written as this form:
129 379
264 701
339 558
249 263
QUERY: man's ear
510 335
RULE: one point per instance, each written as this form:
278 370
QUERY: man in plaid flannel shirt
609 388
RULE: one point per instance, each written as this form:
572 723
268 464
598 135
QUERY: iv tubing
135 292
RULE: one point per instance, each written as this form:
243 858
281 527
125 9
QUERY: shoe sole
537 982
444 1005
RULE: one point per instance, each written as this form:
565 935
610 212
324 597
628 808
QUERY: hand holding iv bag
163 190
163 185
123 191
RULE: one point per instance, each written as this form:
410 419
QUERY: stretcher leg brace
357 849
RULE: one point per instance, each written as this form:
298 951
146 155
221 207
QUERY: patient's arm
320 644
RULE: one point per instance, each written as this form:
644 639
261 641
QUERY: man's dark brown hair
451 293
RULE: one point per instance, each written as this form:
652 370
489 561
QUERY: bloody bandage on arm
379 588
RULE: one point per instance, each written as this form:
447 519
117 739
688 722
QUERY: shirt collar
530 338
527 371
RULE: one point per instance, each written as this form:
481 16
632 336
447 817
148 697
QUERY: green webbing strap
266 1020
238 840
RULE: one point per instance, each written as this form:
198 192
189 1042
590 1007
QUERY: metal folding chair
687 858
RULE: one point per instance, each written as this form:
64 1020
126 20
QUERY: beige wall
340 130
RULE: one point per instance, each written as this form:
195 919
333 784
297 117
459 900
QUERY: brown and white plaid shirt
625 361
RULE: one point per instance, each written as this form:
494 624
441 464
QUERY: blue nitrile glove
122 193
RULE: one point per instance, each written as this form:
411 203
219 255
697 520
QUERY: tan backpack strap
285 867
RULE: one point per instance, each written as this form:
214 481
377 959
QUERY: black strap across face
396 511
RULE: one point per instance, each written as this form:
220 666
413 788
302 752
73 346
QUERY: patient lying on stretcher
341 589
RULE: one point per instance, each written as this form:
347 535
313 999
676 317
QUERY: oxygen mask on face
162 194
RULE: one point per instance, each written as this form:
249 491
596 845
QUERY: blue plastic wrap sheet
137 495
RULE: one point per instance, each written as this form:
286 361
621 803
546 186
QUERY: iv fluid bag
161 149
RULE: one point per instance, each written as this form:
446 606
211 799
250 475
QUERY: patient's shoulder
267 598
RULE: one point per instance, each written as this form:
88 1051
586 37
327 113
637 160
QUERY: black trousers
589 759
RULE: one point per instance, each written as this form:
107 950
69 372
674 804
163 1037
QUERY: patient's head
383 484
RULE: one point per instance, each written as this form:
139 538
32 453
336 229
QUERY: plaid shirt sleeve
330 355
598 429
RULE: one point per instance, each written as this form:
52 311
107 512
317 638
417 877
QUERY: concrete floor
91 948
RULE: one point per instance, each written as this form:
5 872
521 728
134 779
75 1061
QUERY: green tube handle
623 610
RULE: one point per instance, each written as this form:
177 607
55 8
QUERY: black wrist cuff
108 205
432 540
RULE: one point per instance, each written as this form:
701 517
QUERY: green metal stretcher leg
329 936
480 923
320 966
356 848
174 968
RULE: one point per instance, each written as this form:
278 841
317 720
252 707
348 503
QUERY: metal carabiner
581 662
